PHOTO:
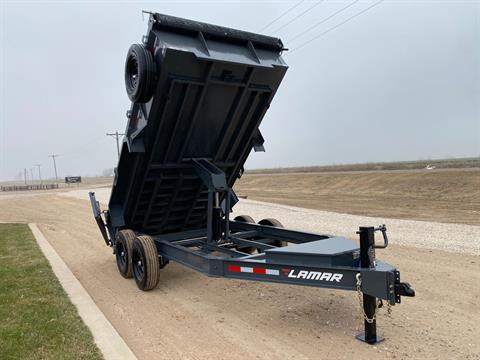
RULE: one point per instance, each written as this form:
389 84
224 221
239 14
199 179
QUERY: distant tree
108 172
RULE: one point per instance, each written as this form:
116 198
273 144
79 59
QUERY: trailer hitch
404 289
383 229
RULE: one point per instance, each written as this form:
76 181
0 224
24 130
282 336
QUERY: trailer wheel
139 73
123 252
246 219
146 266
275 223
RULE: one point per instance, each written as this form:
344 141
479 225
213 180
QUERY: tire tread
152 266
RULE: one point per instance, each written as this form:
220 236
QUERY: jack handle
383 229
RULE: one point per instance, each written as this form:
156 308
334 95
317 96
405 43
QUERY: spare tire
139 74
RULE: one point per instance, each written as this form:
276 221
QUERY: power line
336 26
81 147
322 21
298 16
86 149
282 15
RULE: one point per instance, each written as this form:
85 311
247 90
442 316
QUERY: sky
400 81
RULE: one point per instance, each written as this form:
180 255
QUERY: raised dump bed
210 88
199 93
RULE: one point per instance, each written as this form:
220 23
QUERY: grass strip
37 319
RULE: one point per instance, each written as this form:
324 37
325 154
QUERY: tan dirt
190 316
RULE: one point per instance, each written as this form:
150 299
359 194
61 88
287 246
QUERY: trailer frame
201 250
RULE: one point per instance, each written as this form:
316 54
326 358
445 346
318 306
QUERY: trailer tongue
199 93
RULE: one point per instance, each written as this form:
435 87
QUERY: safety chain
360 301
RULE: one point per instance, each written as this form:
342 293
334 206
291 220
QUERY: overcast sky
398 82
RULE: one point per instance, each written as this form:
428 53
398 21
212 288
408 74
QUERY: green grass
37 320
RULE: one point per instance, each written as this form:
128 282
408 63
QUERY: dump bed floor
211 95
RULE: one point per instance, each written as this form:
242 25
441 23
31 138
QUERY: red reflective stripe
259 271
234 268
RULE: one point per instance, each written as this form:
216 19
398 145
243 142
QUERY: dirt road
190 316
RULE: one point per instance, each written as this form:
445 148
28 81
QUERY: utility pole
53 156
39 173
31 174
25 175
116 135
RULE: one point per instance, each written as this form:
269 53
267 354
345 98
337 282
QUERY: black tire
145 262
275 223
246 219
271 222
139 74
123 252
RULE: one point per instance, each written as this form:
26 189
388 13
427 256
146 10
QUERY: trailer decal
253 270
313 275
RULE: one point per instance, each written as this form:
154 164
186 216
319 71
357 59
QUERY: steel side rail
377 282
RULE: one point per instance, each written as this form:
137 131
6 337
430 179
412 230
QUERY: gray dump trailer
199 93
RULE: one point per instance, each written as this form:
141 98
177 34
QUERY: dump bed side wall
203 107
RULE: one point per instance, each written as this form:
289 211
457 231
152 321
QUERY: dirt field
473 162
450 195
190 316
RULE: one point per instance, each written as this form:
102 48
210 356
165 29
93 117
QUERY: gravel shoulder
459 238
190 316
